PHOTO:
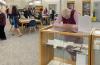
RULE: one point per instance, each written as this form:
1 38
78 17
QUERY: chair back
32 23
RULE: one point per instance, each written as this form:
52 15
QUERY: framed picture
86 8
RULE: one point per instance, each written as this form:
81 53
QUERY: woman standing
2 26
16 16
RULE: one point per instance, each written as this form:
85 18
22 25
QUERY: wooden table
26 21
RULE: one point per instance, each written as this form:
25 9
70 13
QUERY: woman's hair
14 10
66 13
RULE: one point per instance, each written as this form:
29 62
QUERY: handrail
46 29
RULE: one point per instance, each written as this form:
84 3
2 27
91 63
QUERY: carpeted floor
20 50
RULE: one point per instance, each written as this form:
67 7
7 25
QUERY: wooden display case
51 49
95 47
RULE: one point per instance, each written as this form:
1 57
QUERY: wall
19 3
47 2
63 4
78 6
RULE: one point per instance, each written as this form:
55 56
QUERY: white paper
84 24
65 64
81 59
54 62
60 43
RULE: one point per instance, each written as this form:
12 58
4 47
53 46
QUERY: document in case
54 62
81 59
65 64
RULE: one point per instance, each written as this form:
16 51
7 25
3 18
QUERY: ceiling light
31 3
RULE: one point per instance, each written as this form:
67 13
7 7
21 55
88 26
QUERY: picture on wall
86 8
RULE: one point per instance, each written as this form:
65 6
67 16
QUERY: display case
64 48
95 47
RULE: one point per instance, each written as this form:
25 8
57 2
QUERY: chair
32 24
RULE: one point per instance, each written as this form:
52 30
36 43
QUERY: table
26 21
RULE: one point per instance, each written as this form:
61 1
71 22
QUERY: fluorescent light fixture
31 3
3 2
37 2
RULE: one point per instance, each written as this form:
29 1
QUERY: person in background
45 12
29 12
16 16
67 21
7 11
2 25
10 18
52 14
26 14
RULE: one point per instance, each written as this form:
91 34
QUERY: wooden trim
66 33
70 2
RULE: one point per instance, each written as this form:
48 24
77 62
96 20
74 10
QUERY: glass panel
64 50
97 51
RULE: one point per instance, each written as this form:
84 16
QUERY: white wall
96 0
78 6
45 3
19 3
61 4
64 4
